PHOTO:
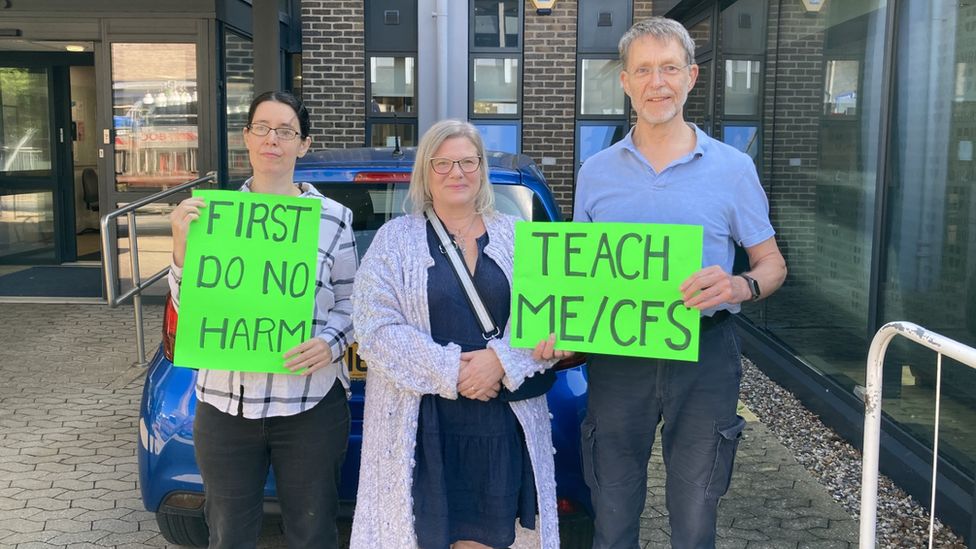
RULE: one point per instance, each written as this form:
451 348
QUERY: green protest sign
607 288
248 288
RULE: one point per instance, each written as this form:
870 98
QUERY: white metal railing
110 261
872 415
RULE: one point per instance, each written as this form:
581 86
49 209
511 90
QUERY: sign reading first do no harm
248 288
609 288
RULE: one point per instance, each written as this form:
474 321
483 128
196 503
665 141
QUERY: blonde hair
419 192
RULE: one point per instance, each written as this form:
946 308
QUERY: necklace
458 236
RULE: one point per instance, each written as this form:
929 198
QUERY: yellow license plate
356 365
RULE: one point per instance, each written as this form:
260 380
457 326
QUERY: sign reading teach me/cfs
606 287
248 287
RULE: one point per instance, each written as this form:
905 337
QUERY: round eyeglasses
468 164
284 133
664 71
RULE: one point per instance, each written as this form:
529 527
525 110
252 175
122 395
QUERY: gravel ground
902 521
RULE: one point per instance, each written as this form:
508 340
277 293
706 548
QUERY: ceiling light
74 48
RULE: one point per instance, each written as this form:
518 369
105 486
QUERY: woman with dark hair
297 424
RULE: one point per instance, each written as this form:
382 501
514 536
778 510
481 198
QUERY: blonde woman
449 459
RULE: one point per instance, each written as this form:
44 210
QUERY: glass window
742 87
701 33
822 192
592 139
27 226
743 137
155 114
743 27
496 86
496 24
384 134
239 76
25 141
500 137
840 87
930 268
391 82
600 91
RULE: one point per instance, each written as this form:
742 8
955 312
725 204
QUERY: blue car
373 184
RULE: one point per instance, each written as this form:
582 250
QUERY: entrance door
39 183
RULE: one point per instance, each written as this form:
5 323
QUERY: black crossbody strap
488 328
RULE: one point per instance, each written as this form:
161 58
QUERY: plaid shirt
265 395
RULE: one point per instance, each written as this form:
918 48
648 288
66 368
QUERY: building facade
859 115
103 103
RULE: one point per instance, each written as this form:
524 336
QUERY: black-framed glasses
468 164
284 133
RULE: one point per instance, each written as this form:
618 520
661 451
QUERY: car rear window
373 204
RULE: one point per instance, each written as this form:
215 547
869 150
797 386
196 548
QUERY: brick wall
333 71
549 95
792 133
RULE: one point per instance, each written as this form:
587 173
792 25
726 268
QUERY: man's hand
711 287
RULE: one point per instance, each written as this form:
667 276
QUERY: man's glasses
469 164
665 71
284 133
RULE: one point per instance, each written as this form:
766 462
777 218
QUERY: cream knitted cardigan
390 314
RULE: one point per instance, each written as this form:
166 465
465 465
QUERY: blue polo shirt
715 186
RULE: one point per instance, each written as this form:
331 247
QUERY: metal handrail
872 415
110 261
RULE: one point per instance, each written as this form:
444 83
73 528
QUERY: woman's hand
480 376
545 350
180 218
313 355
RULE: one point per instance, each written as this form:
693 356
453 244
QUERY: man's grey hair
663 29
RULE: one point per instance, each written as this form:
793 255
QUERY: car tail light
169 328
382 177
566 507
571 362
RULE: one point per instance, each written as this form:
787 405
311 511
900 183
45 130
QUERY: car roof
386 157
332 166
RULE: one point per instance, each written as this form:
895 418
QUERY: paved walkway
69 399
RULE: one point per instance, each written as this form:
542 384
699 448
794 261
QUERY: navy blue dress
473 476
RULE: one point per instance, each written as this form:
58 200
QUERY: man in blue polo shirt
668 171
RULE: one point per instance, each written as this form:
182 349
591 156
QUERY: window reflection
25 141
239 76
594 138
391 81
500 137
27 226
154 98
600 92
822 190
930 272
496 23
840 87
385 134
496 86
742 87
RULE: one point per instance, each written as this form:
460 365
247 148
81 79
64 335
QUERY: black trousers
306 452
628 397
